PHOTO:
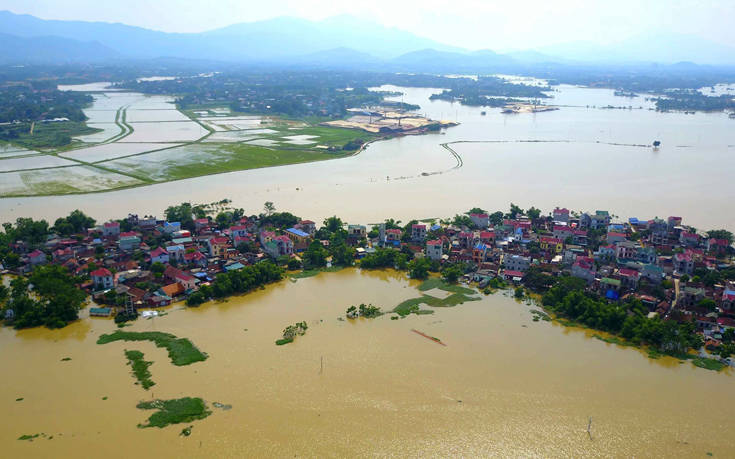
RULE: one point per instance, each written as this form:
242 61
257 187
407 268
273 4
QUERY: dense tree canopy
55 302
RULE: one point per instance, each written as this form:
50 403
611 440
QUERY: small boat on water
483 113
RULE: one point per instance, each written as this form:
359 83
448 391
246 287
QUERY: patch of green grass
20 399
175 411
327 135
66 359
436 282
104 398
237 157
282 341
29 437
140 368
52 135
709 364
411 306
181 351
313 272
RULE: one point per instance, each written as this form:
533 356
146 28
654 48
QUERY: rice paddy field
132 140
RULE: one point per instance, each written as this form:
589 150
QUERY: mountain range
340 41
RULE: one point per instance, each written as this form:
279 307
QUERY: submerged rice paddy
139 140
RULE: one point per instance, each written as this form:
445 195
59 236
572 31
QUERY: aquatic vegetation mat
140 368
435 282
181 351
174 411
412 306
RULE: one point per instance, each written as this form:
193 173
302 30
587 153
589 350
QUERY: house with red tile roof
217 246
480 220
201 223
487 237
561 215
683 263
37 258
629 277
551 244
613 237
102 279
238 231
111 229
584 268
172 274
159 255
196 258
718 246
434 249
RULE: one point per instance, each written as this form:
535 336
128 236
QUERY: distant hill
431 60
340 41
41 50
264 41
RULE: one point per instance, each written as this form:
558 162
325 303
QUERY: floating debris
222 406
436 340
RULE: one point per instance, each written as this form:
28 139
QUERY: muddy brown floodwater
503 386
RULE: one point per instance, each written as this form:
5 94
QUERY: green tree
182 213
315 255
333 224
496 218
157 268
533 213
452 273
269 208
721 234
342 254
514 211
419 268
56 301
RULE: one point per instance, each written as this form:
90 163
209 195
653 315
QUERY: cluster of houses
156 262
654 260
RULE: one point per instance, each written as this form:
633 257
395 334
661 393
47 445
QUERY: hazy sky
473 24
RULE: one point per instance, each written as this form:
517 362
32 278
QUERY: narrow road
676 298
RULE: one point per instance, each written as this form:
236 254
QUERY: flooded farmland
503 384
541 160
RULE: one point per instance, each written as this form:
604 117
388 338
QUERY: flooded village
675 272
